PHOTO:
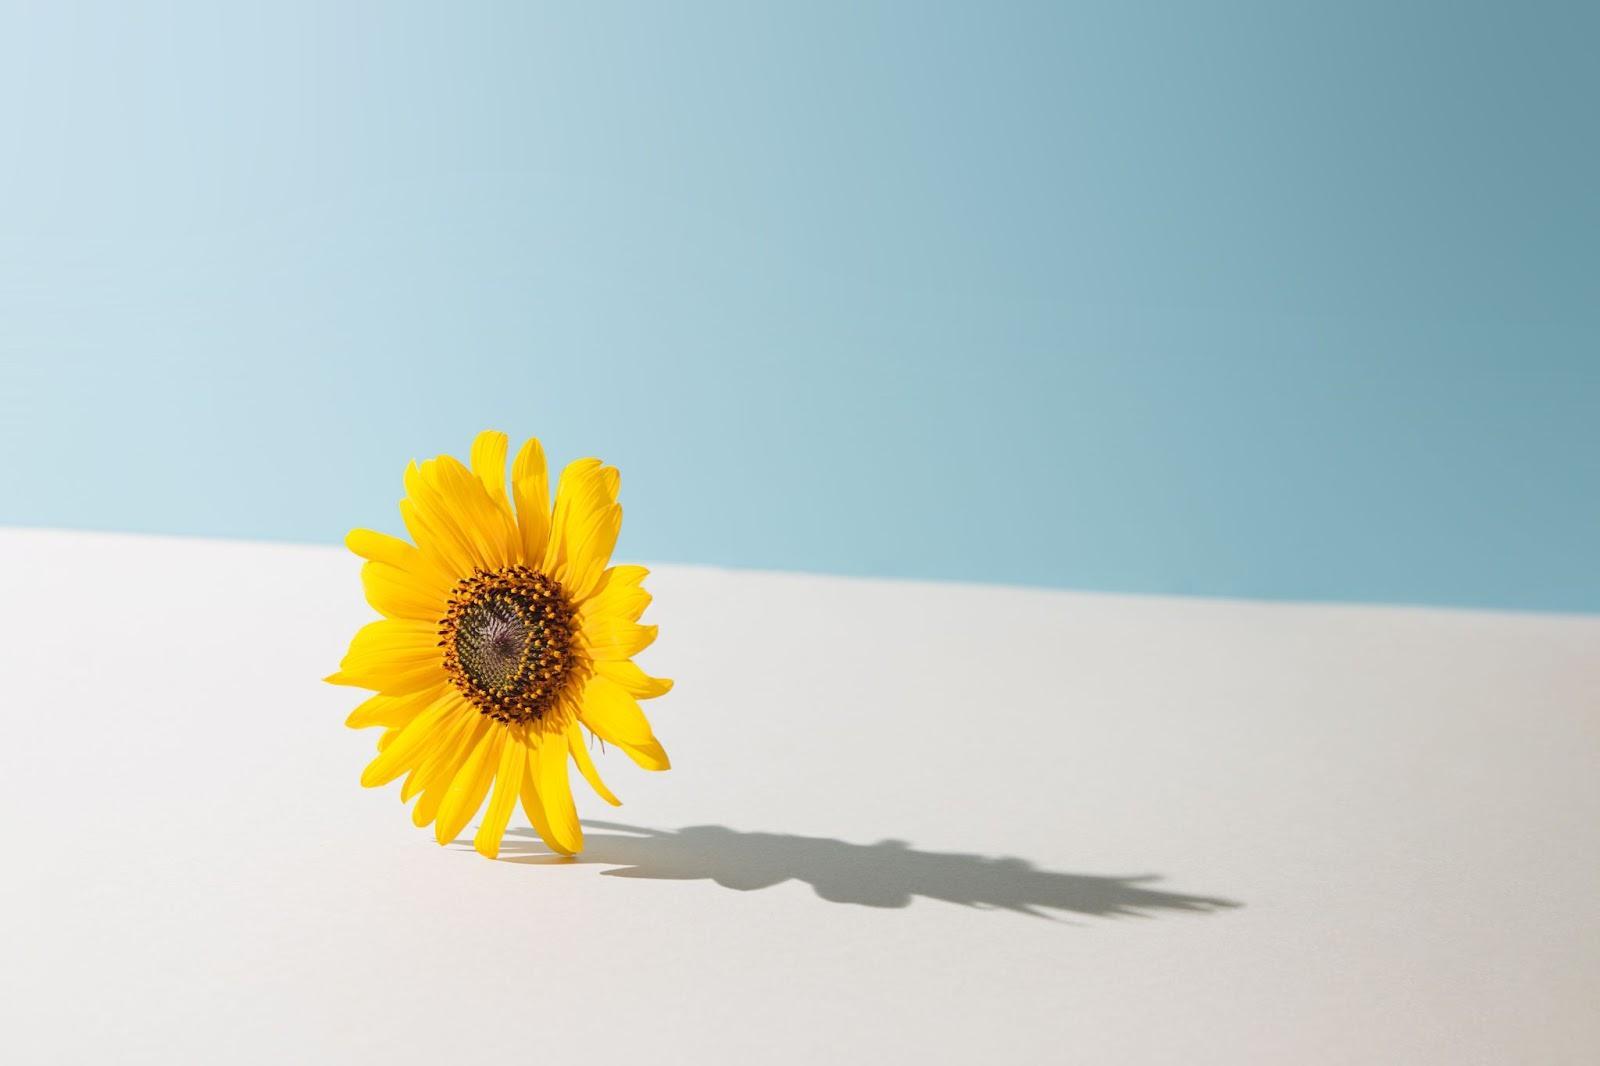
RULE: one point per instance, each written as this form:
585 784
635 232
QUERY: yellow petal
382 548
582 493
615 718
436 775
649 756
392 551
439 763
613 714
489 463
589 550
393 712
555 793
625 575
395 683
393 639
401 753
432 524
468 787
394 656
609 638
507 783
580 755
634 681
396 593
533 806
531 489
616 599
485 526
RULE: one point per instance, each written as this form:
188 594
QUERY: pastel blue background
1247 299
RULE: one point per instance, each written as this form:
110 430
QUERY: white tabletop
906 822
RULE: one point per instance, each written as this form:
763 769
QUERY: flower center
508 642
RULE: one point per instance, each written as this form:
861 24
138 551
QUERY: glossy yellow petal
507 783
437 774
469 787
649 756
582 493
634 681
392 712
401 754
427 808
609 638
484 525
392 551
575 477
591 551
580 755
533 806
397 594
392 639
615 718
432 524
382 548
555 793
450 515
390 683
624 575
613 714
616 599
489 463
436 766
394 656
374 711
530 488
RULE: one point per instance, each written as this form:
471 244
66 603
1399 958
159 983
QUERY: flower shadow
889 873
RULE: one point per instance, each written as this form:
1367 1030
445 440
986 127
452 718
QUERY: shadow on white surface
889 873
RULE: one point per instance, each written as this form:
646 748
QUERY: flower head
505 646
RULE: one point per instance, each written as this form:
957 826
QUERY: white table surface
907 823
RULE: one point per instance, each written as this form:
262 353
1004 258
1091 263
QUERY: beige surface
907 822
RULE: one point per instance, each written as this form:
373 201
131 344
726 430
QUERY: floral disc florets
508 642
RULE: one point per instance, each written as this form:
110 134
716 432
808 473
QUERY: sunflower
505 646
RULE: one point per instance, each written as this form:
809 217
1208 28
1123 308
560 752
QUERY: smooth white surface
1402 804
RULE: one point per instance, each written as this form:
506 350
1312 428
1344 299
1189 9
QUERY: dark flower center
508 642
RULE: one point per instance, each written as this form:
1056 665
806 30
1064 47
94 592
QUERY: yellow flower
505 634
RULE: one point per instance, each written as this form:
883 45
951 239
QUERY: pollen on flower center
507 638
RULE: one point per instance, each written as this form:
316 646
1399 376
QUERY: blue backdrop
1254 299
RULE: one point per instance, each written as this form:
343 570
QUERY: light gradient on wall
1223 299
